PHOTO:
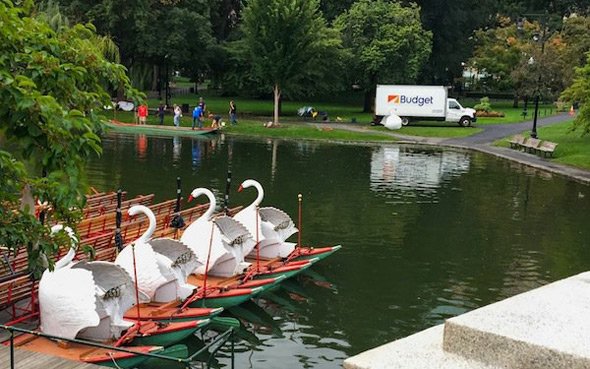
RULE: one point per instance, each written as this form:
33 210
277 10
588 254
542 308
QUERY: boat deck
32 360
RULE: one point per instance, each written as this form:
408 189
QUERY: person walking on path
142 113
161 112
197 117
233 117
177 115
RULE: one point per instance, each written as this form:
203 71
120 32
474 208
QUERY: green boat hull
176 351
320 256
225 301
165 339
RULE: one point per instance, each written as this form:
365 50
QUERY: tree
287 43
387 42
579 92
52 87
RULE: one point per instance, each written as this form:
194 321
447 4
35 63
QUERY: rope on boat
113 360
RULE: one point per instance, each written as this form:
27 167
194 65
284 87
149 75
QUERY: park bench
517 141
531 145
547 147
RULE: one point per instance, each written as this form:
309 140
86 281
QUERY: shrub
484 104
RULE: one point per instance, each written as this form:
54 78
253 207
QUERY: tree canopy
387 42
288 44
52 86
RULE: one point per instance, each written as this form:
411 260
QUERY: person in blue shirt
198 117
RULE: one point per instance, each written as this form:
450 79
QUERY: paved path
483 142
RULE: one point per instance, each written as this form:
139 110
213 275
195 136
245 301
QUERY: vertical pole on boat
177 221
300 226
257 243
227 186
231 338
11 349
118 237
136 287
207 263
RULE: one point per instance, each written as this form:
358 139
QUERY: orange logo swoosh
394 98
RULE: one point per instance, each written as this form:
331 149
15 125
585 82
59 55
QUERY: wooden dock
24 359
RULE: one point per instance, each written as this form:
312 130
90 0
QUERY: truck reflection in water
411 168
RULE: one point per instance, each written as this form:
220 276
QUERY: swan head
252 183
200 191
249 183
136 209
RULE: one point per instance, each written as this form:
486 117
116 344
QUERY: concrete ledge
422 350
546 328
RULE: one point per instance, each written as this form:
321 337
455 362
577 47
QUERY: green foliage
288 47
579 92
386 40
484 104
51 87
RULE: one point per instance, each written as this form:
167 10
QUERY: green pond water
427 234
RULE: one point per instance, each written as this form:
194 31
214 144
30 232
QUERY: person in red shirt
142 113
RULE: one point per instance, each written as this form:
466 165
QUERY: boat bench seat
16 289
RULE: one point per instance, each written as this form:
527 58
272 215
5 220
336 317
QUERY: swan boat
273 226
163 266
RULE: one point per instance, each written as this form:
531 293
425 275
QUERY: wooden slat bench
531 145
103 199
108 208
517 141
547 147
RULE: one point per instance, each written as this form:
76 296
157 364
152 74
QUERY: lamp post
536 38
167 87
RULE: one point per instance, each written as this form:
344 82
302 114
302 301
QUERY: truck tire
405 121
465 122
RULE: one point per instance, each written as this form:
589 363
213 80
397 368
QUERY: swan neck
151 228
260 196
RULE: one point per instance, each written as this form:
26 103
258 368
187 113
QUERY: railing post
11 349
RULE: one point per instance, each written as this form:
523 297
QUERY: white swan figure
274 226
155 278
197 236
234 236
66 297
180 259
114 291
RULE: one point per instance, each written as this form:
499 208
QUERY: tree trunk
155 73
277 94
369 101
515 101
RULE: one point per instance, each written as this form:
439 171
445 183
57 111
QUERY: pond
427 233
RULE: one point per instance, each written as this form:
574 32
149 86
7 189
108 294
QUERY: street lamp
167 87
541 39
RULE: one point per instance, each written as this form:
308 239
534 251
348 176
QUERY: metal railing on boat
217 343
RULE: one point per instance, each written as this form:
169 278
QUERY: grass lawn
256 128
572 149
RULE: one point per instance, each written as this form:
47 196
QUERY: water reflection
426 233
142 144
410 169
195 153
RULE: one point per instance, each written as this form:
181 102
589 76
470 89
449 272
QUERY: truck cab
457 113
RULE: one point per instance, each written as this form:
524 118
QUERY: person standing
142 113
197 117
177 115
233 113
161 112
202 105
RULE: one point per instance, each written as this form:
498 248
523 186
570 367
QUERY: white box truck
421 103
